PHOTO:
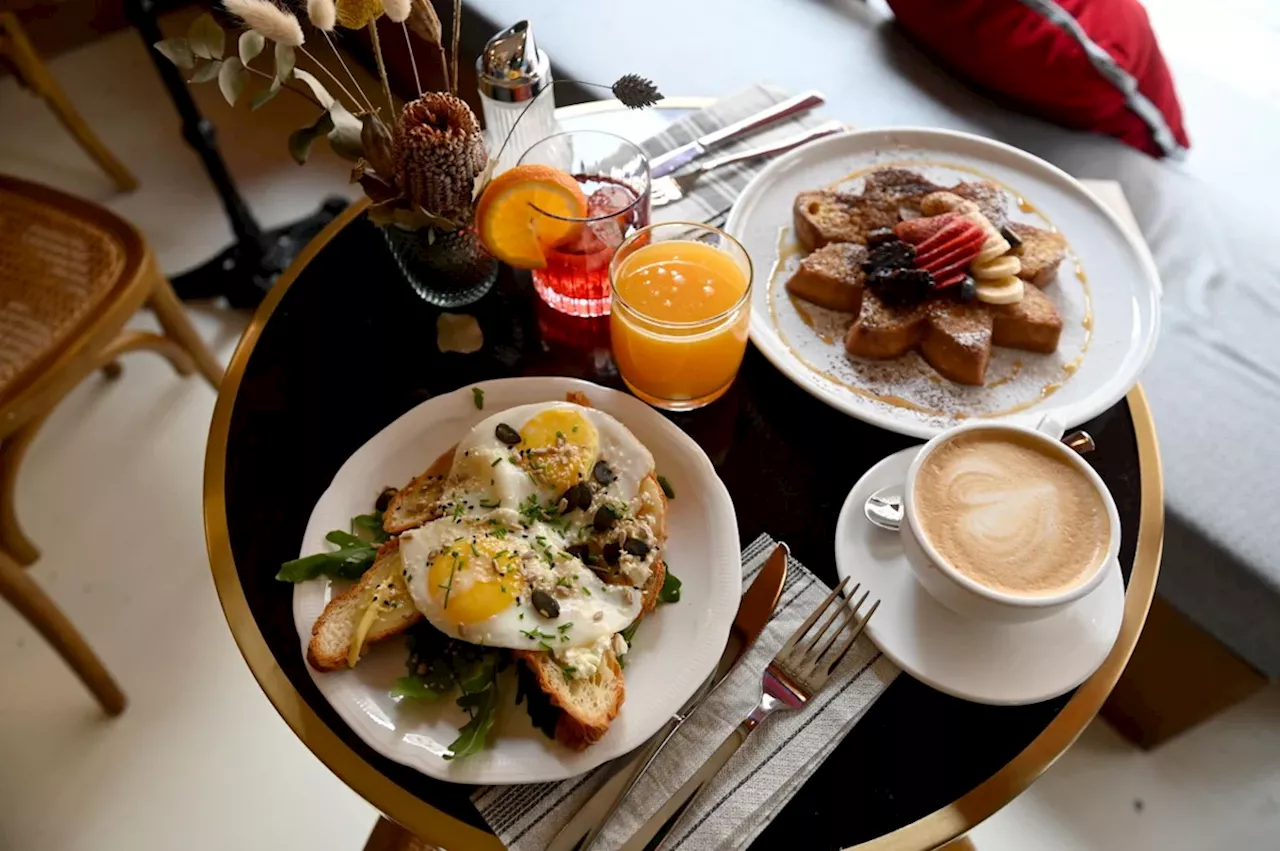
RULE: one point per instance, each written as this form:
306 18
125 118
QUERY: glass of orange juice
681 305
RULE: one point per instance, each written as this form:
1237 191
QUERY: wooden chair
16 52
71 276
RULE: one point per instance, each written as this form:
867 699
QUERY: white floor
112 490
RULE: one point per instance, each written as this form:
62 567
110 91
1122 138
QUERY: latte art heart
1010 514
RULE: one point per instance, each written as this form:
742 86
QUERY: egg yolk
474 579
559 447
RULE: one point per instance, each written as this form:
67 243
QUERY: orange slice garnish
513 230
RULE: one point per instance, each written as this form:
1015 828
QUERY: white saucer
995 663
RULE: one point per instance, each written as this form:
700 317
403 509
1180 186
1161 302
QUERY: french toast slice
587 706
823 216
831 277
1041 252
884 330
1033 324
957 340
989 197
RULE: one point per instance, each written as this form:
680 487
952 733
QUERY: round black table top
343 346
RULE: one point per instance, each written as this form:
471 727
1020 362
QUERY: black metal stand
245 271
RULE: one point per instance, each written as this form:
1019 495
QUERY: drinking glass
614 175
681 307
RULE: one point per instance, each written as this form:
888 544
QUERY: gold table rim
439 828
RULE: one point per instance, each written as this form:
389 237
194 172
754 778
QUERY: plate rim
850 513
1074 413
389 744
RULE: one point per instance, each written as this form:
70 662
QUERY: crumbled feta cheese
619 645
584 661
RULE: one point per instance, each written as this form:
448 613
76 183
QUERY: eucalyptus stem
287 88
382 68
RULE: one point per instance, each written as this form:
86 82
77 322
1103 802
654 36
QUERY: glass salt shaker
511 72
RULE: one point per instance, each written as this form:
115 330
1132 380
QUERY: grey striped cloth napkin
760 778
715 192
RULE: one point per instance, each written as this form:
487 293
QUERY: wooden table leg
33 604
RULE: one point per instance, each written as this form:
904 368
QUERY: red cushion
1012 48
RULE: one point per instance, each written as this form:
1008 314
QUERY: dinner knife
754 612
686 153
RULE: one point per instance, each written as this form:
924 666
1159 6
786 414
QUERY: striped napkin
715 192
756 783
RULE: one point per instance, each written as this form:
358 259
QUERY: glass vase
450 269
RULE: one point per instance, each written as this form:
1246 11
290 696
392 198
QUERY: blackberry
880 236
890 255
898 287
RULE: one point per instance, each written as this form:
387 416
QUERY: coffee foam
1010 514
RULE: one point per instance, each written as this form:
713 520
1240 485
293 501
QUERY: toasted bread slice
957 340
415 503
343 619
1033 324
885 331
1041 252
831 277
588 706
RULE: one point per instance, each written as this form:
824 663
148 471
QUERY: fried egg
487 583
519 464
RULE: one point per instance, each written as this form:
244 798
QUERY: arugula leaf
666 487
670 592
368 527
415 688
474 736
345 563
344 539
477 396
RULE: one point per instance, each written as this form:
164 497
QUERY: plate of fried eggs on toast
541 540
914 278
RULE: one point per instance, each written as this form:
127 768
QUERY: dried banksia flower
358 14
438 151
267 18
635 91
322 14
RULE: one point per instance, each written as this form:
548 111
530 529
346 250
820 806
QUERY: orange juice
679 318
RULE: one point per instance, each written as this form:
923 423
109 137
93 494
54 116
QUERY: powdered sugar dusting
1015 379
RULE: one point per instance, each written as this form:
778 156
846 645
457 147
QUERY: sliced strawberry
958 252
950 280
916 231
958 229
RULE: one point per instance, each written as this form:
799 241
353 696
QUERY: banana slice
1007 291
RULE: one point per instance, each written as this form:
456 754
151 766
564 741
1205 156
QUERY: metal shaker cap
512 68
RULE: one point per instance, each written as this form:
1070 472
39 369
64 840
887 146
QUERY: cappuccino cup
1003 522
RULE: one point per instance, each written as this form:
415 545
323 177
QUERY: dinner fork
796 674
668 190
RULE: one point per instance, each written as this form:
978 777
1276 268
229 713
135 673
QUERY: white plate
1001 664
676 647
1123 288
